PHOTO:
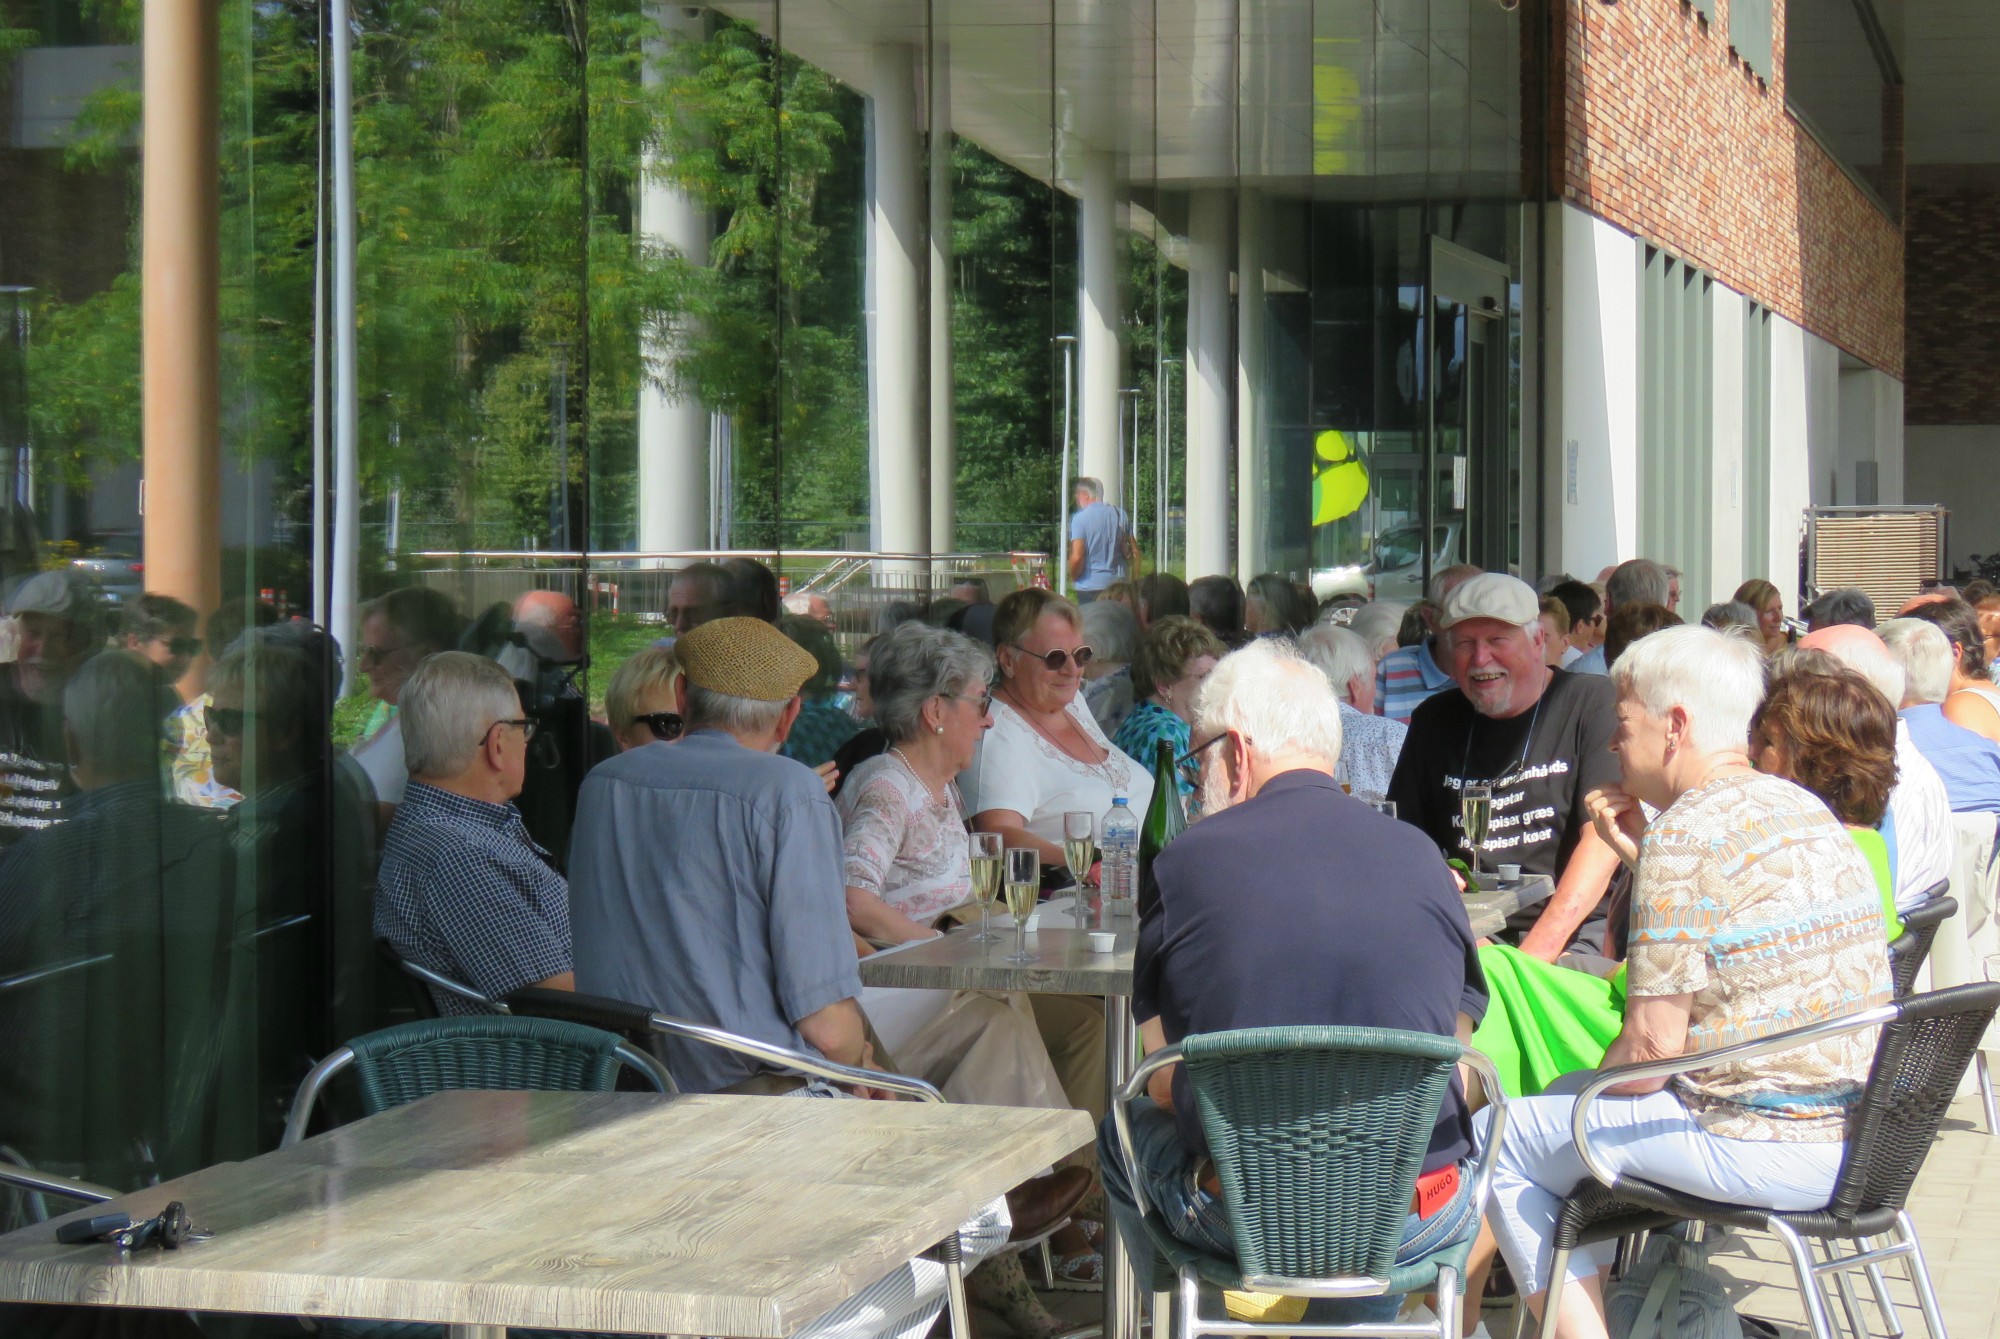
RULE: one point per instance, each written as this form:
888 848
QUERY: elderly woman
1973 701
1369 744
908 863
1045 756
639 700
1769 605
1175 656
1112 630
1752 911
1377 624
1826 728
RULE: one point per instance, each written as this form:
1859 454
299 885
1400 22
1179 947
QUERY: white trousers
1653 1137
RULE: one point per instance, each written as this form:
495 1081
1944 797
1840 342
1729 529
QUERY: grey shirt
705 882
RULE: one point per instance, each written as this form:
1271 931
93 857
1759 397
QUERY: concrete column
899 519
944 407
1101 362
179 304
673 424
1253 453
1209 373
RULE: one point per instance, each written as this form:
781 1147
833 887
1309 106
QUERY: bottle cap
1117 800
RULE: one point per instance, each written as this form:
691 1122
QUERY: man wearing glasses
464 890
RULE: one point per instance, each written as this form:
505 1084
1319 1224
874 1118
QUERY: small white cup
1103 941
1510 873
1034 922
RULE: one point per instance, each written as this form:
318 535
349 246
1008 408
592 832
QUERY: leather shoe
1038 1205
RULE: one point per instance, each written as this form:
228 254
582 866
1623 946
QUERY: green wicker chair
1318 1134
413 1060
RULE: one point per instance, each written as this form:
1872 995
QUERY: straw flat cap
745 657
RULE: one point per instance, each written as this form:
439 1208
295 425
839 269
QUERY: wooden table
625 1212
1489 911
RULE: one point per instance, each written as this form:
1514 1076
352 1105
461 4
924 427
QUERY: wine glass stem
982 922
1021 936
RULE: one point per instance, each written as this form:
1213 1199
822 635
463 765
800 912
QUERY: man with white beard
1291 903
1541 738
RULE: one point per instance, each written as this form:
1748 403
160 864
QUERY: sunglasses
182 646
368 655
224 721
1058 660
664 724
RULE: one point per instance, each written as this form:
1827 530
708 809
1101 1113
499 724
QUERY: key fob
91 1229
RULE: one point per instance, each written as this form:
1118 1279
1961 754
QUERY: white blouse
1017 769
901 844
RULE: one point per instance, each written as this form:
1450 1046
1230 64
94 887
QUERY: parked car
117 564
1395 570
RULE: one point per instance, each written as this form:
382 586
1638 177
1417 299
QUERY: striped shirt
1405 678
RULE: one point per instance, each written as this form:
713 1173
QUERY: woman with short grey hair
1370 744
1112 630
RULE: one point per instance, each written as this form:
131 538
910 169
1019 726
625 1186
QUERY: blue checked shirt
465 891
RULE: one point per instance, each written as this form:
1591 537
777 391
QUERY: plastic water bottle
1118 838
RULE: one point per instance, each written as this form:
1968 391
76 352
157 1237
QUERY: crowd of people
756 812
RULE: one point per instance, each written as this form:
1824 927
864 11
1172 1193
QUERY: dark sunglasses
1058 659
224 721
664 724
183 646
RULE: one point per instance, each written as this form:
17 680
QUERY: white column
1253 533
944 408
1097 324
899 520
1209 374
673 500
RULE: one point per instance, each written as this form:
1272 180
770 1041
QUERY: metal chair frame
1185 1304
1867 1255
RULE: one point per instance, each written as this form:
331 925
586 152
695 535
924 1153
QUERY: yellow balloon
1342 486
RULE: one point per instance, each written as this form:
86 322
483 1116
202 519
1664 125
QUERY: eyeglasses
1189 763
374 654
224 721
1058 660
182 646
984 701
663 724
527 730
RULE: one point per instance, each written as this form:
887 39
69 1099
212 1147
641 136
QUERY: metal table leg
1121 1286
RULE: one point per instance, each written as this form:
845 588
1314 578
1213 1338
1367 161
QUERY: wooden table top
623 1212
1489 911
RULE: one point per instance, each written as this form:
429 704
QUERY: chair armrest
784 1057
1682 1064
1121 1117
43 1183
439 981
308 1095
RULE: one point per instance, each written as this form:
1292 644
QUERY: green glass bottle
1166 816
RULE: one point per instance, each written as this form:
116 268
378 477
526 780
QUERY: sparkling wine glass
984 849
1475 816
1024 885
1079 844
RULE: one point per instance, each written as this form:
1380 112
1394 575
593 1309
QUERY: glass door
1465 474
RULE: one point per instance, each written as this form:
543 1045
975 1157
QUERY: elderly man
696 596
1967 762
1411 675
814 607
1634 581
1204 964
1540 737
1847 605
397 632
1101 546
56 629
1917 827
464 890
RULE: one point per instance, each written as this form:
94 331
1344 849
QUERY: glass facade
632 282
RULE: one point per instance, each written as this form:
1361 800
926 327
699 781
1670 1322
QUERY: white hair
1718 681
801 605
1275 698
1339 654
1925 654
448 707
1378 623
1086 484
1877 665
708 709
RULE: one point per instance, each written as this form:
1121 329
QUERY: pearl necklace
904 758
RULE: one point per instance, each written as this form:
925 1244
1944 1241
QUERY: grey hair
710 710
1877 664
1448 579
1717 680
1094 487
1849 604
1729 614
915 663
1636 581
447 709
1377 624
1112 630
1339 654
1925 654
1275 698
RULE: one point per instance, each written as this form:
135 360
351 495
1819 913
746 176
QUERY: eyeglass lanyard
1520 763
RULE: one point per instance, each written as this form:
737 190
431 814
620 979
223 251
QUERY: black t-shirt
1540 781
1304 906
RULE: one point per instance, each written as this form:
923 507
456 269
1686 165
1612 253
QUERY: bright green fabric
1876 851
1545 1021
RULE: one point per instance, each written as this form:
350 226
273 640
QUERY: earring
940 729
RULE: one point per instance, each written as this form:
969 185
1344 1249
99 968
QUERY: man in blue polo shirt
1100 542
1216 953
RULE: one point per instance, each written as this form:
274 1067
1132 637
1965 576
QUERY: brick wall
1669 136
1954 286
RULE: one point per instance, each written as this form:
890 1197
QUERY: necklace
929 789
1025 714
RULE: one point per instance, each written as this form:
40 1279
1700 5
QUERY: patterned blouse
1752 898
1146 726
901 844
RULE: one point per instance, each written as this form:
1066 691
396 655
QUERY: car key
92 1229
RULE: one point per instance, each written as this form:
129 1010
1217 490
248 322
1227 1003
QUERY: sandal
1001 1287
1080 1273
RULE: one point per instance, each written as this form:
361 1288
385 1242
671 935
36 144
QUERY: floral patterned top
901 844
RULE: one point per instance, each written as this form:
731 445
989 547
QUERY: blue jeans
1172 1184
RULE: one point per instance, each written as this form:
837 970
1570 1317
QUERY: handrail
861 555
44 1183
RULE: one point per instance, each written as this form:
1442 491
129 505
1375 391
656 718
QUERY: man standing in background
1101 546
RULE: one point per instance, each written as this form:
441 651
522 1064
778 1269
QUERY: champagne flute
1079 844
1475 816
984 848
1024 885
